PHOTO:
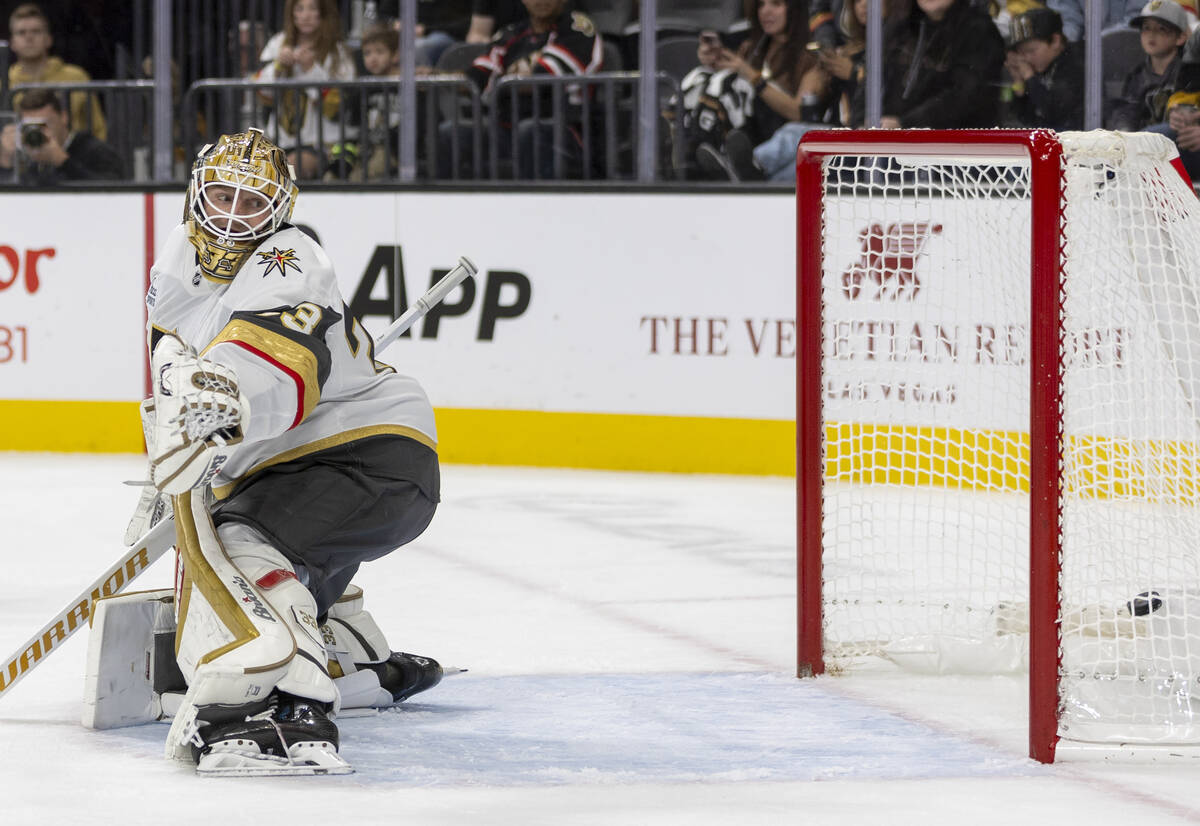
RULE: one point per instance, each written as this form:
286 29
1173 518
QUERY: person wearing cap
1183 108
1147 88
1115 13
1047 73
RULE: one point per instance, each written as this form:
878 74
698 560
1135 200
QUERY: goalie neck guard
242 189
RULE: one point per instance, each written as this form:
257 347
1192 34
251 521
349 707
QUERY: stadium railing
598 111
213 107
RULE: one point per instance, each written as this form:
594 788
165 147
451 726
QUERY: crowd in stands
772 71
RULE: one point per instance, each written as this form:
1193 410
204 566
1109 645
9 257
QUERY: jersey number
304 318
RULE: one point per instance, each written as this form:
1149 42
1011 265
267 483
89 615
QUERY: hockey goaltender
289 456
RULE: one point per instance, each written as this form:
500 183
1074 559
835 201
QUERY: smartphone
711 39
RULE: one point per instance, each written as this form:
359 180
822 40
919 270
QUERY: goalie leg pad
371 674
241 636
226 620
274 577
351 635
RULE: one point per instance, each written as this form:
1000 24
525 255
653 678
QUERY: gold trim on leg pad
237 605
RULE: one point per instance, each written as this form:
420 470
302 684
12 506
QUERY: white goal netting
926 302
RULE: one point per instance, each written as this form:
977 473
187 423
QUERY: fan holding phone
748 93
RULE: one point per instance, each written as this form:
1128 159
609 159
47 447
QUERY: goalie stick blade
304 759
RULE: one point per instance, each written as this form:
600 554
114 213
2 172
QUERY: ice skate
403 675
292 736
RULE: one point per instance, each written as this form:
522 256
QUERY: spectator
770 80
1147 88
310 47
1047 73
775 158
1116 13
45 151
87 33
845 63
29 28
553 41
1003 12
381 58
1183 108
941 68
490 16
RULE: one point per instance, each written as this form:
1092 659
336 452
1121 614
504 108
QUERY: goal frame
1047 175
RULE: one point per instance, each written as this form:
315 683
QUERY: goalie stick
143 553
434 295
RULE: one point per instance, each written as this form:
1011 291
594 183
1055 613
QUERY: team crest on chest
278 259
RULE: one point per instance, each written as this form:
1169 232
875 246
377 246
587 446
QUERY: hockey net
999 419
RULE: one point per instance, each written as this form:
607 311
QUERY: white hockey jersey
304 364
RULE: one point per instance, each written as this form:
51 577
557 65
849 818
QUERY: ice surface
630 639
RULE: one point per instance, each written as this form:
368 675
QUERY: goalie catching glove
199 415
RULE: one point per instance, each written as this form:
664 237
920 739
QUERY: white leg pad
275 578
241 622
351 634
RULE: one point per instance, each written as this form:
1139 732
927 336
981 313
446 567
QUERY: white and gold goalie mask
242 189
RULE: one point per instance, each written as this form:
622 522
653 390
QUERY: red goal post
891 220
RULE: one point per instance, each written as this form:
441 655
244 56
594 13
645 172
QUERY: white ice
630 640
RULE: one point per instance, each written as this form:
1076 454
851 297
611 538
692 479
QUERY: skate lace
190 733
269 714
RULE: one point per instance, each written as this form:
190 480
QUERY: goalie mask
242 189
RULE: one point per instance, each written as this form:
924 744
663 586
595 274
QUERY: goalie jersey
283 326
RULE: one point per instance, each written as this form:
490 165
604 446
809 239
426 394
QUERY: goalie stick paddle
146 551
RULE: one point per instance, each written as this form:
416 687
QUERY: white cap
1168 11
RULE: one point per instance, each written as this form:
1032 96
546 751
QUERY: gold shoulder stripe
291 357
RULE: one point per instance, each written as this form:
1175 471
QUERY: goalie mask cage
998 366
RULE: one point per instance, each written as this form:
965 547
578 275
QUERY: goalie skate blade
306 759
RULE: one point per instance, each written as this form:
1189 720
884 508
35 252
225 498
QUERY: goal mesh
925 417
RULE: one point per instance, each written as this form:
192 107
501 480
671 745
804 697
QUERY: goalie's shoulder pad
290 255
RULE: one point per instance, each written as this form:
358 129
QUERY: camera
33 135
